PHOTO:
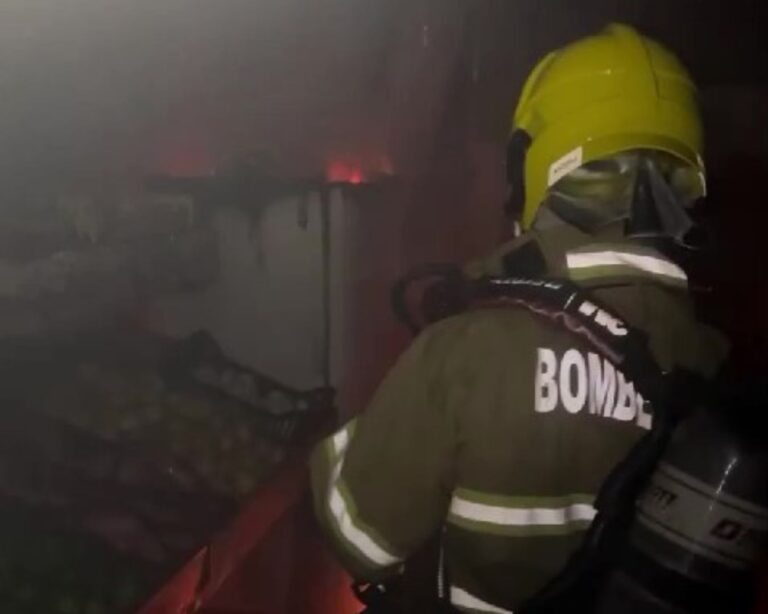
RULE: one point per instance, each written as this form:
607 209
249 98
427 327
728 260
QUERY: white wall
266 307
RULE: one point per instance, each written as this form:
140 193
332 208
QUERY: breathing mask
650 191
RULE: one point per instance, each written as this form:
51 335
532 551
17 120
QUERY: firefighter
494 428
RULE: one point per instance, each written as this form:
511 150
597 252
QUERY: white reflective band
358 538
341 441
521 516
463 600
642 262
363 542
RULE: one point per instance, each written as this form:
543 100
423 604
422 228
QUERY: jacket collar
620 263
608 259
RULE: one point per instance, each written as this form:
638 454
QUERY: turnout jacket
498 428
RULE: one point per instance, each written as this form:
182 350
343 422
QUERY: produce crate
118 462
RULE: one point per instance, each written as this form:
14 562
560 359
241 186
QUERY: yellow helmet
596 97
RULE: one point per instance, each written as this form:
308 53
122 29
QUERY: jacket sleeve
382 484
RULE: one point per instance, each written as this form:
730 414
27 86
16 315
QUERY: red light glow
358 169
339 171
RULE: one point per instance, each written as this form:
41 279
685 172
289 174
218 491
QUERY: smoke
107 87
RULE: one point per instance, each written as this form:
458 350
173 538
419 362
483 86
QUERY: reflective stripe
344 515
463 600
341 440
649 264
495 512
522 517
